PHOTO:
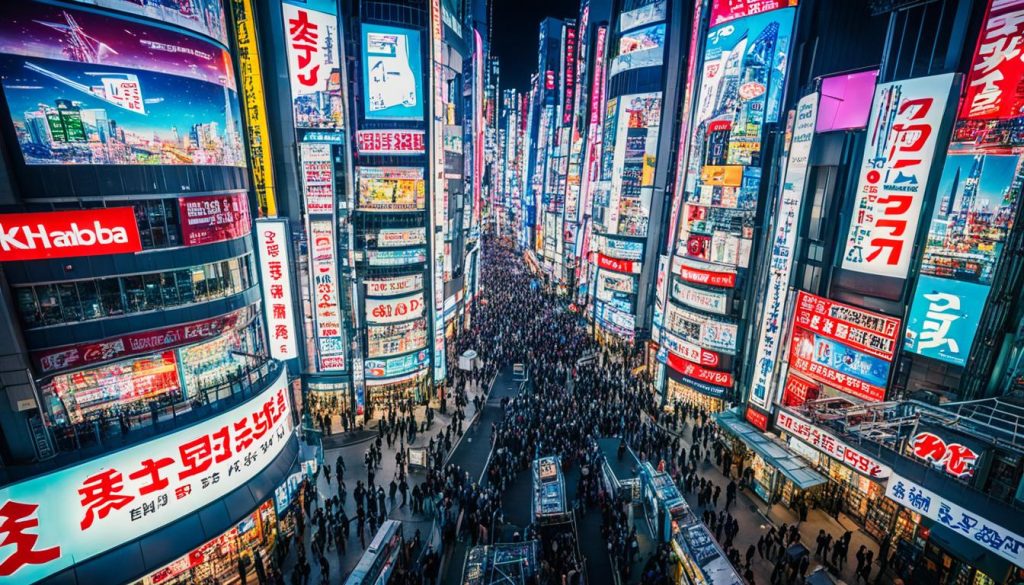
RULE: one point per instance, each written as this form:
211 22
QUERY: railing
75 442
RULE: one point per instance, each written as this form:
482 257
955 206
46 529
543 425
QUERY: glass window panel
110 296
154 298
173 223
186 293
169 289
199 284
144 234
49 305
31 315
134 293
89 298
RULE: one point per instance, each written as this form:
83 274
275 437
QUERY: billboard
391 142
896 169
400 338
389 287
396 238
614 320
650 12
90 88
623 266
699 298
390 188
314 73
81 511
213 218
866 331
643 47
392 73
723 11
202 16
317 171
394 310
745 64
632 166
830 362
276 278
780 263
831 445
943 318
323 272
695 371
622 249
68 234
396 257
703 330
396 366
994 82
687 271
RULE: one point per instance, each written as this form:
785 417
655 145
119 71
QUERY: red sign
958 460
214 218
708 277
825 374
75 356
798 391
549 79
757 418
68 234
698 372
872 333
830 445
570 74
616 265
393 142
726 10
994 83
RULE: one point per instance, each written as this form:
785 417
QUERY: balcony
75 443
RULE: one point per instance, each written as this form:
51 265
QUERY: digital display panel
88 88
392 73
391 188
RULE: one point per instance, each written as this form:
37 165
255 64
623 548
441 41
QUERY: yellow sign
260 160
722 175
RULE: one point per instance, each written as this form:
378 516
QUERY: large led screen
392 73
391 188
87 88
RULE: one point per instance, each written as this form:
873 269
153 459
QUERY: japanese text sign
55 521
994 81
276 278
955 458
872 333
903 131
831 445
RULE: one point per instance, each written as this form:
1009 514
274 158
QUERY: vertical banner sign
906 118
317 178
780 265
276 276
438 189
326 308
314 65
994 82
251 74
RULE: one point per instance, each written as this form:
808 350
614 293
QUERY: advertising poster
394 310
830 362
652 12
614 321
723 11
690 351
780 264
745 64
400 338
703 330
396 257
250 72
943 318
396 366
632 184
689 272
213 218
392 73
317 178
323 272
994 81
135 95
867 331
389 287
314 73
390 188
397 238
642 47
205 17
71 516
698 298
903 132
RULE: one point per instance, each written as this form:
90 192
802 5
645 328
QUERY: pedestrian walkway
352 447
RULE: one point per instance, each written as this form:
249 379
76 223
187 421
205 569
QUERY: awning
778 456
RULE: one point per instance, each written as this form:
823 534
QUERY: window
69 302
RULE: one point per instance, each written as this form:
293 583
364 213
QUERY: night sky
515 31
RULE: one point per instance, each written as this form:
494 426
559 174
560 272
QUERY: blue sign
944 318
392 73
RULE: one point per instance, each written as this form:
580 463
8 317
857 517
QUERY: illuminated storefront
690 394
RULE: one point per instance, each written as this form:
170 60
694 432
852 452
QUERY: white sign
965 523
389 287
77 513
394 310
780 266
276 277
906 117
832 446
703 330
323 273
396 238
705 300
312 47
